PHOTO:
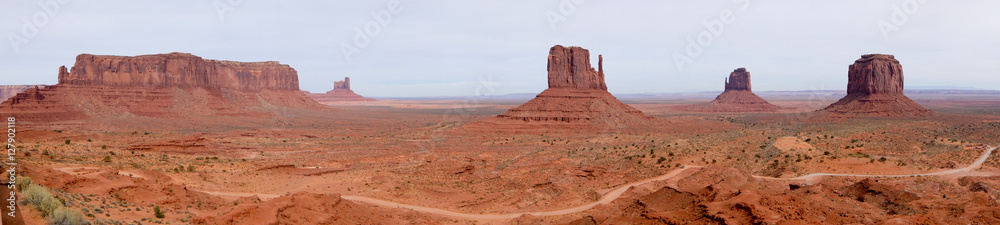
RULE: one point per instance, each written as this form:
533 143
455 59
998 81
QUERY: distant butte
7 91
175 85
341 93
875 88
737 97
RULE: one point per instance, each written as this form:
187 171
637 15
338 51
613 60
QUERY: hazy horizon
458 48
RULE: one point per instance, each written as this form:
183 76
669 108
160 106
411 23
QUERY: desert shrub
35 194
107 159
66 216
50 207
23 182
157 212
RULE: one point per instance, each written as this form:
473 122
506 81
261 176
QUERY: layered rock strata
171 85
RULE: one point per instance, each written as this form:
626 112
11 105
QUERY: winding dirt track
611 195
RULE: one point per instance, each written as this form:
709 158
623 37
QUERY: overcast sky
464 48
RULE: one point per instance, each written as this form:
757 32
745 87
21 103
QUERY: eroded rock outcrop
178 70
577 97
875 88
175 85
570 68
737 97
739 80
7 91
341 93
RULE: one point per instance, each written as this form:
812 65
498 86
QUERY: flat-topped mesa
342 85
875 88
570 68
178 70
739 80
875 74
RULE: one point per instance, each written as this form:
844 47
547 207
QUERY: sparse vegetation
48 205
158 213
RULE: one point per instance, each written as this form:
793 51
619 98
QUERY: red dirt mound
301 208
875 89
716 195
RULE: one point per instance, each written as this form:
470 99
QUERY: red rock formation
739 80
175 85
178 70
875 88
570 68
7 91
341 93
577 97
738 97
342 85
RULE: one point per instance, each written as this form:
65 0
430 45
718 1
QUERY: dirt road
610 195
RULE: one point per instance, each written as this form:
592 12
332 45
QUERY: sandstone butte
737 97
164 86
576 97
875 89
341 93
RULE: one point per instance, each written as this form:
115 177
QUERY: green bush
157 212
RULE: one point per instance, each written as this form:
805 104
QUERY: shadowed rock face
178 70
875 74
875 88
342 85
739 80
570 68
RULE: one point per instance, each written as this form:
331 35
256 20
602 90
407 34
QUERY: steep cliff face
341 93
170 86
570 68
875 74
178 70
875 88
737 97
739 80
